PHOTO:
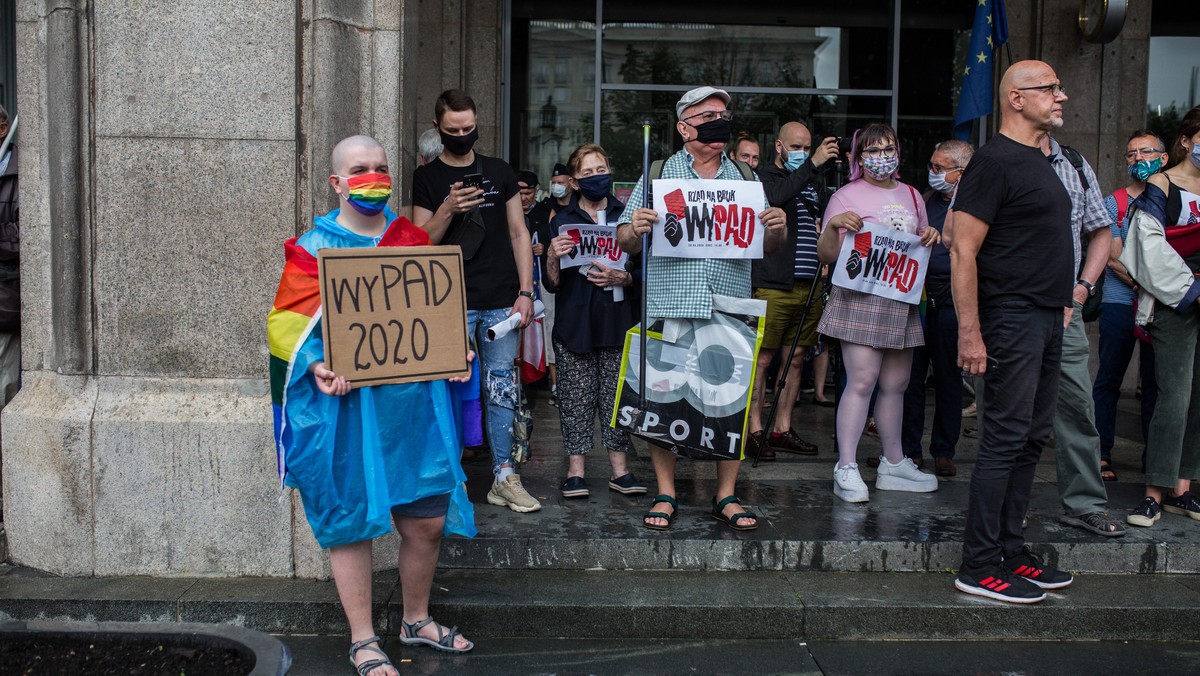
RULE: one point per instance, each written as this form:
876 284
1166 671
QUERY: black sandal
370 665
1107 473
661 515
732 521
444 642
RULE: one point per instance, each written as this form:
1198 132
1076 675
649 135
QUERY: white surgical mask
558 190
939 183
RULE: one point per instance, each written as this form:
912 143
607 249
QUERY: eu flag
989 31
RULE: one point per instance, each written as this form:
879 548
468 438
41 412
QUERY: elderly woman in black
594 310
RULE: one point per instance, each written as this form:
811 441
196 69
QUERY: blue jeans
940 349
500 392
1116 349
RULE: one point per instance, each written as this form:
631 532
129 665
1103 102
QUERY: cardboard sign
394 314
883 261
708 218
699 377
592 243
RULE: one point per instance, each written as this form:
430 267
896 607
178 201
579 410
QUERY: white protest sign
708 218
592 243
883 261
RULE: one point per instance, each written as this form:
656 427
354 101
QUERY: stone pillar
1106 83
167 152
460 41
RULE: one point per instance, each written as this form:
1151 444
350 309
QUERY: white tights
866 367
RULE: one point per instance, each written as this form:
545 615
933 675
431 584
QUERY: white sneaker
904 476
510 493
848 484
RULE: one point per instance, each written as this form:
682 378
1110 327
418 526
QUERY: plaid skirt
867 319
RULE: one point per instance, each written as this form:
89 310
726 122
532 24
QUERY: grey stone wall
168 150
1106 83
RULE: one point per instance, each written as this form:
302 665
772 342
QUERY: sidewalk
817 570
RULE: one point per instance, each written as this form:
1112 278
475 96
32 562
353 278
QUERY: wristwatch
1087 285
527 294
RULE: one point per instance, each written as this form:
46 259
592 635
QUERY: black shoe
574 487
1029 566
1185 504
790 442
1145 514
626 484
757 449
997 582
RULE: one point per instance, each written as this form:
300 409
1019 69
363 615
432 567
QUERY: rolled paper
502 328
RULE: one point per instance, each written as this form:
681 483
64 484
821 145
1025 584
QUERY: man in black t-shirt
1012 277
472 200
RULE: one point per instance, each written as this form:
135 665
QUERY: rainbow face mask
368 192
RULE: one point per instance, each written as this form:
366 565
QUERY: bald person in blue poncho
364 458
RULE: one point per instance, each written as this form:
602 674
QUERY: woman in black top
593 312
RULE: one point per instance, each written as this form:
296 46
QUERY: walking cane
781 381
647 201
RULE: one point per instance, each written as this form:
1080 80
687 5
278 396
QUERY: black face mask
595 187
716 131
459 145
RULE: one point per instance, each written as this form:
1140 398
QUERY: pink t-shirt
901 205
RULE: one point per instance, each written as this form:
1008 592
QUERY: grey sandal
1096 522
370 665
444 642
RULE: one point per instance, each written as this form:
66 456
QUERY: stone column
167 152
1106 83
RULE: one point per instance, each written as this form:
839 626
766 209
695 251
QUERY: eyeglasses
710 115
889 151
1054 89
1143 152
942 170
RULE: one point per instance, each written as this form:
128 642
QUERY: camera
844 145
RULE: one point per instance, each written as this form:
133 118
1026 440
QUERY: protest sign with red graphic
883 261
708 219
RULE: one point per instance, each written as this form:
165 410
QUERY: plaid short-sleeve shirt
683 287
1087 206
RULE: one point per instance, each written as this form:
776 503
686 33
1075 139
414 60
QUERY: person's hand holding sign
930 237
560 246
630 234
463 379
774 222
604 277
327 381
829 244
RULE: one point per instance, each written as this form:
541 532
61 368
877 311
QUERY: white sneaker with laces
904 476
510 493
848 484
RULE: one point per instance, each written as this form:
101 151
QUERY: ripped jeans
497 380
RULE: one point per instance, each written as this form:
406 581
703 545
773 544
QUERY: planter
45 647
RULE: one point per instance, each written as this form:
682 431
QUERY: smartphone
473 181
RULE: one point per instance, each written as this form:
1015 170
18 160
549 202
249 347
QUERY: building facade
169 149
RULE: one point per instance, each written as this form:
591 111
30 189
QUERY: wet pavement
319 656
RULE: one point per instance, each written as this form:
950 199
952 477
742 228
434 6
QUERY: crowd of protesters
1021 242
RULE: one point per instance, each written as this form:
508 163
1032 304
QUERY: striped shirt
806 233
1087 206
1115 291
683 288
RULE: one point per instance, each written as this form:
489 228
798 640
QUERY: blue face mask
1144 169
1194 156
795 159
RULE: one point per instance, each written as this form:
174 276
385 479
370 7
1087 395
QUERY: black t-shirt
491 276
1028 254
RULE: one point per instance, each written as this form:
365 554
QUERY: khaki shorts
783 315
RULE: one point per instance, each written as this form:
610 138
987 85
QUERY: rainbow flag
296 311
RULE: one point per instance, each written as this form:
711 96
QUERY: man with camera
471 200
784 278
